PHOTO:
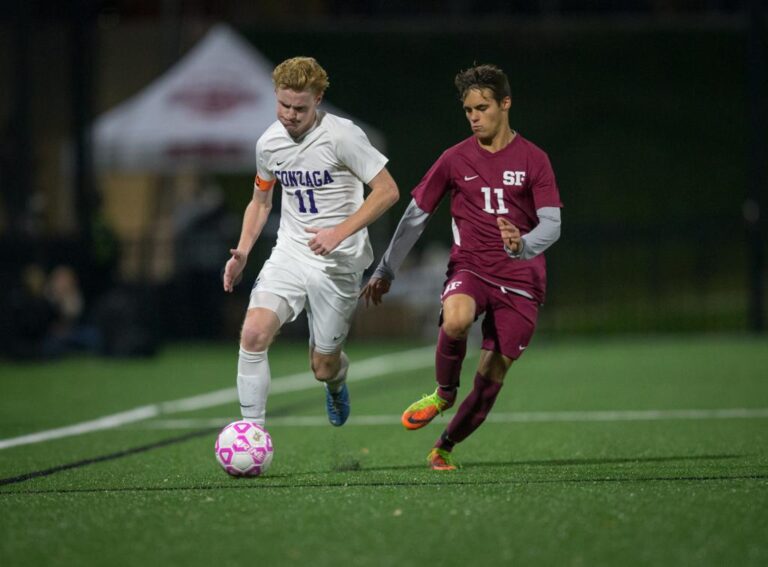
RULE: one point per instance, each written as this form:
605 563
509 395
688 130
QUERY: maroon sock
445 442
471 413
449 356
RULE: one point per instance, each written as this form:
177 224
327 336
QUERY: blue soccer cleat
337 405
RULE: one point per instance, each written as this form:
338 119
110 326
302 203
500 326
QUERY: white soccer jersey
321 177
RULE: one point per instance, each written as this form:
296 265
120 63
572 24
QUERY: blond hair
301 74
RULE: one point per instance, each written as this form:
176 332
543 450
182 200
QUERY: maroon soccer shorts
510 318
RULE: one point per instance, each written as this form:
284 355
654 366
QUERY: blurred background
126 156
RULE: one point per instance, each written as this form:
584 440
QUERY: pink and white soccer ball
244 448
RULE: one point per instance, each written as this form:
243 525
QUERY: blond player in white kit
321 162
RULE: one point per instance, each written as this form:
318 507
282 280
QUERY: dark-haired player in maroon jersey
505 207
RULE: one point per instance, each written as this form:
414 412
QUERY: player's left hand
510 234
374 290
325 240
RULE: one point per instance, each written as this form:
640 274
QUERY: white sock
336 383
253 379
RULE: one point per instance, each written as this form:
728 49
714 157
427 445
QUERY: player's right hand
374 290
510 234
233 270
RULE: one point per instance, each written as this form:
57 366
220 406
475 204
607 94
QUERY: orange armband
263 185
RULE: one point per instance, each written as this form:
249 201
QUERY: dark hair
483 77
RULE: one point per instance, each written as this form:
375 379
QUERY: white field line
359 370
514 417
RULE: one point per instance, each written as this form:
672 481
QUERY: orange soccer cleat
425 410
440 460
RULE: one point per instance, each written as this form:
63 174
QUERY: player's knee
325 369
456 328
496 375
494 367
254 338
323 375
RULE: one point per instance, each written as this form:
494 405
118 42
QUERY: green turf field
613 452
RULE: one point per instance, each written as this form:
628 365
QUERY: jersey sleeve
408 231
433 186
356 152
544 188
265 179
262 170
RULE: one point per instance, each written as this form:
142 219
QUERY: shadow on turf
568 462
322 479
435 479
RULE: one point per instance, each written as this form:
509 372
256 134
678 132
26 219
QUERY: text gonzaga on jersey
300 178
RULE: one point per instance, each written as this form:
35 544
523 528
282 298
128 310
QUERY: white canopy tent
203 115
155 152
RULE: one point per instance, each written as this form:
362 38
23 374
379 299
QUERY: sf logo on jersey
515 178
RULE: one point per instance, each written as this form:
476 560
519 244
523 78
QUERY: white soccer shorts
330 300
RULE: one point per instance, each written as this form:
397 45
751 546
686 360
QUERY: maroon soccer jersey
513 183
